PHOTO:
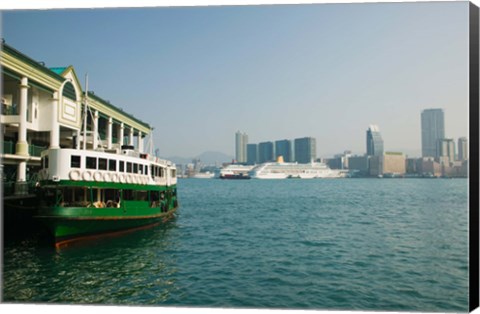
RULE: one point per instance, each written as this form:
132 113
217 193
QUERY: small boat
204 175
87 193
235 171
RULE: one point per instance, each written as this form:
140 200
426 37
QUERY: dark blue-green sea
340 244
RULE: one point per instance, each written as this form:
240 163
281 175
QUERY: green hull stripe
108 185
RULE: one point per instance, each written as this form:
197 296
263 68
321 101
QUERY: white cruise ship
285 170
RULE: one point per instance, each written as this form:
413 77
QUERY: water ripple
315 244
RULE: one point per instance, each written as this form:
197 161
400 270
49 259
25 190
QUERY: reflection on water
130 269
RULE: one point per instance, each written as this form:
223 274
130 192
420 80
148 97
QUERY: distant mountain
206 158
178 160
211 158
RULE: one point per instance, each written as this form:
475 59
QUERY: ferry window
75 161
91 163
129 167
112 165
102 164
135 168
173 173
141 196
152 172
145 169
45 164
122 166
162 173
128 195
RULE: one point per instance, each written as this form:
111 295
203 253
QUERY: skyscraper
284 148
446 149
252 154
374 141
462 148
241 141
305 149
265 152
433 129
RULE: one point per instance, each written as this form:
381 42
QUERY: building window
75 162
112 165
91 163
102 164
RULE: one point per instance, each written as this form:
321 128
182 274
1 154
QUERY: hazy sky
199 74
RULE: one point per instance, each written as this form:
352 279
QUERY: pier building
44 107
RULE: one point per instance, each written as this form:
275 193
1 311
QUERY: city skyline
273 71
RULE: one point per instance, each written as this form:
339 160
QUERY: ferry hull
235 177
67 227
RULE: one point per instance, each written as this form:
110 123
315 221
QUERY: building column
140 142
95 130
55 129
77 140
130 137
109 133
122 134
22 145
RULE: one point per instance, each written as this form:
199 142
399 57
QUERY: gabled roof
59 70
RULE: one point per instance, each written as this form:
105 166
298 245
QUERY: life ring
87 176
106 177
74 175
97 176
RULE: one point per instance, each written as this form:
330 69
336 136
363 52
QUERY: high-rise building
446 149
241 141
374 141
265 152
433 129
305 149
462 148
252 154
284 148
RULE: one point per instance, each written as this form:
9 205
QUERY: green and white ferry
87 193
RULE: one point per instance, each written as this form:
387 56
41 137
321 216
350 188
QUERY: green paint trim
107 185
18 55
31 82
118 110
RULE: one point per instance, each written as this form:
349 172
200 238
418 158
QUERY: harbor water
345 244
